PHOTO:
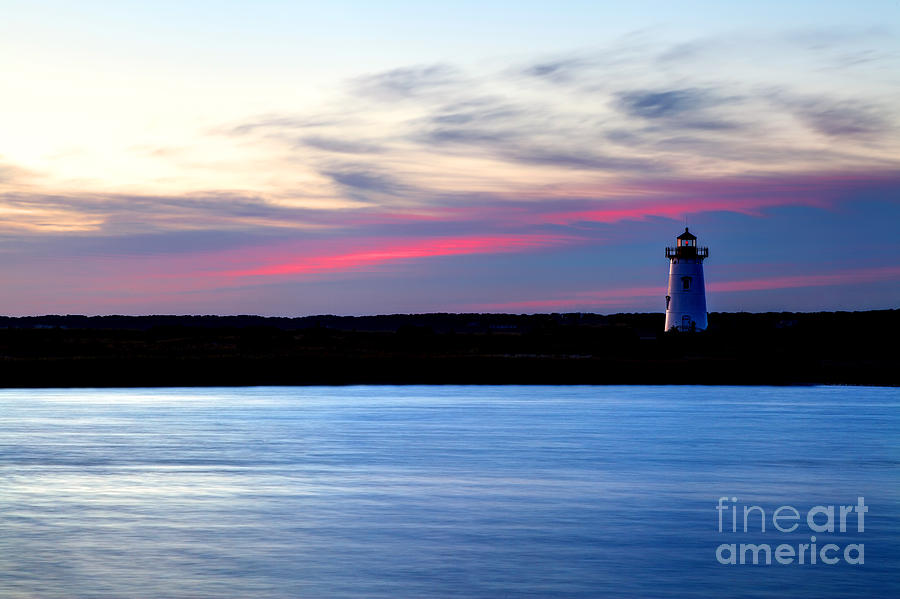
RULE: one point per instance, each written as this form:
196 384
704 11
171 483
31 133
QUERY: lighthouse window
685 283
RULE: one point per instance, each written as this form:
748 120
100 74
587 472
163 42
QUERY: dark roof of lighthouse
686 235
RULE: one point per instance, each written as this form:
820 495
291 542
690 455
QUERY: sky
293 158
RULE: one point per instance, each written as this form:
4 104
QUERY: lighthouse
686 296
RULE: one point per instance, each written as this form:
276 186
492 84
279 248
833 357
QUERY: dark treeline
738 348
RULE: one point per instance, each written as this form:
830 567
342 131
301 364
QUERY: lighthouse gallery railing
687 252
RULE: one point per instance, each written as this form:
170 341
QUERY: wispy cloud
119 214
668 104
280 123
407 82
842 118
843 277
10 174
340 146
600 299
617 115
560 70
365 180
534 155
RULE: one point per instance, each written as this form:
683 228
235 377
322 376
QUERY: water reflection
430 491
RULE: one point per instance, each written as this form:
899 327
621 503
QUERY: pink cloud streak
392 252
674 198
846 277
747 195
621 295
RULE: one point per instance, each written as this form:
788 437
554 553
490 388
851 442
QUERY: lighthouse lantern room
686 296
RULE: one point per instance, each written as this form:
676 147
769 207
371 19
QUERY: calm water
437 491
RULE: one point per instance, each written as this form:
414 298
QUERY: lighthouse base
685 323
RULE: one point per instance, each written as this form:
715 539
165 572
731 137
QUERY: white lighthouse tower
686 297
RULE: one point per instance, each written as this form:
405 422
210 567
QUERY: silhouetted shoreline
852 348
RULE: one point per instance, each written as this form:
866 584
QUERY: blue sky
355 158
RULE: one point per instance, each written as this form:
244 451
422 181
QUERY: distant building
686 296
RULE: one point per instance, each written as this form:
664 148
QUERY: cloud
477 121
662 104
557 71
392 251
675 197
160 243
408 128
459 136
818 38
466 136
120 214
440 160
340 146
845 48
579 158
280 123
177 245
10 173
842 119
406 82
680 108
520 134
477 110
594 299
361 179
687 51
844 277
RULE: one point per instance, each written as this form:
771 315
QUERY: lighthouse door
686 323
